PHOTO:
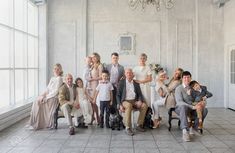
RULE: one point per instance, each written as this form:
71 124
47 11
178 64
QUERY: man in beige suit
68 103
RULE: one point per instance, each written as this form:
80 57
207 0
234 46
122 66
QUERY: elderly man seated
129 97
68 103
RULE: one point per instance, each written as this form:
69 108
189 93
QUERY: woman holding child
42 113
165 93
174 82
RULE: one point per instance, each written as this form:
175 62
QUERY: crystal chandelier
133 4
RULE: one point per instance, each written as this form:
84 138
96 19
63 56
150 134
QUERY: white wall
229 42
190 36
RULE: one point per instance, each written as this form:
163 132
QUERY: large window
18 51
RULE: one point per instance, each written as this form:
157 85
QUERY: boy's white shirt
104 91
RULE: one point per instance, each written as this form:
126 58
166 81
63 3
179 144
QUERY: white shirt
114 74
71 94
53 86
104 89
130 91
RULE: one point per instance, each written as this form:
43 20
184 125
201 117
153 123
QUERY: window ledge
11 114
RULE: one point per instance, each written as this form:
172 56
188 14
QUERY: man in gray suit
116 72
129 97
184 105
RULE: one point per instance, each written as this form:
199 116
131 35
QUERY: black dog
148 122
115 119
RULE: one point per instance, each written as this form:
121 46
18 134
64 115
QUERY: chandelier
133 4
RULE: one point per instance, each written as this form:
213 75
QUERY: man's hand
138 104
122 109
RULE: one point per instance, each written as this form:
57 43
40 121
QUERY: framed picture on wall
126 43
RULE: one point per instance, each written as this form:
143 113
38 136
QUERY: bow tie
103 82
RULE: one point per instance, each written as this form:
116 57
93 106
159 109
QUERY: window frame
12 55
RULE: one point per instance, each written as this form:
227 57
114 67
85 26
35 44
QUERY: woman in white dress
82 98
143 76
161 94
42 113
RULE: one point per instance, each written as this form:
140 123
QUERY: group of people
123 89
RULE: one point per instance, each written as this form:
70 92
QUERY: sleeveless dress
85 105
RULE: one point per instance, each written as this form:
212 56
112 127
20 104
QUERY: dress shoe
71 131
140 128
82 125
129 132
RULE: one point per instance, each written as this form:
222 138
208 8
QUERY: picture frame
126 43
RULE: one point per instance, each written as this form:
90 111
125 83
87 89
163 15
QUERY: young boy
104 91
199 94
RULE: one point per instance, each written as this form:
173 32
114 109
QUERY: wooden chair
173 115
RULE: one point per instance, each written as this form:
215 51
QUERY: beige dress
141 72
42 114
170 99
95 72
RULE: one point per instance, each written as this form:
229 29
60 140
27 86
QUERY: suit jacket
120 70
197 96
121 92
181 96
64 94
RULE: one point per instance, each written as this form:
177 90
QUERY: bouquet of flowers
155 68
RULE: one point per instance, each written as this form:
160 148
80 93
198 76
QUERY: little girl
82 98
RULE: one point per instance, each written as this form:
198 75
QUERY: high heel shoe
156 123
92 120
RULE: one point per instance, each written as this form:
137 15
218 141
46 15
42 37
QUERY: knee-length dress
85 105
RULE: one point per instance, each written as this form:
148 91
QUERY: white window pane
20 50
32 83
19 85
4 88
32 19
6 12
5 47
32 52
21 14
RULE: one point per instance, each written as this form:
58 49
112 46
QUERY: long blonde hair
98 59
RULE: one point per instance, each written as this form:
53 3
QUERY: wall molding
190 37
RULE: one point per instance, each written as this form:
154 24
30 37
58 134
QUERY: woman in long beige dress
96 71
143 75
42 113
174 82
